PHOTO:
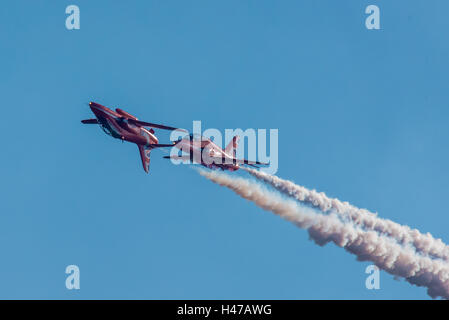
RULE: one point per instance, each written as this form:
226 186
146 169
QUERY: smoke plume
424 243
399 258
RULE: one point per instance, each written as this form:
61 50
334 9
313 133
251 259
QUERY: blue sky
362 115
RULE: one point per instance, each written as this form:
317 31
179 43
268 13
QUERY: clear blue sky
362 115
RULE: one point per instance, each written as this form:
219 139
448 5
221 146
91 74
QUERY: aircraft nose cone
95 109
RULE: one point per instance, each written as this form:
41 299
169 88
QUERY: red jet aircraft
203 151
122 125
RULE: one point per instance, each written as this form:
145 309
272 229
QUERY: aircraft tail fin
145 157
231 148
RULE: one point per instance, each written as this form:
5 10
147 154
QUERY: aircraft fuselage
117 125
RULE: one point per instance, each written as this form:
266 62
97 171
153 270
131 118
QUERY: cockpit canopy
106 129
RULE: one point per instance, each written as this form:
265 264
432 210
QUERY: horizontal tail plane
90 121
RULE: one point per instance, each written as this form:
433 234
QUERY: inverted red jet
124 126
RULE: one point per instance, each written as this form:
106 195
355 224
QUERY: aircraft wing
156 145
145 156
184 158
252 163
239 161
153 125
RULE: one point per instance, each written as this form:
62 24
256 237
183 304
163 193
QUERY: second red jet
121 125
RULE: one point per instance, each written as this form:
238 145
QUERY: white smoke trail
397 259
424 243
